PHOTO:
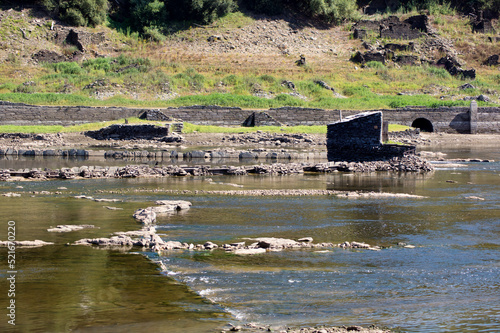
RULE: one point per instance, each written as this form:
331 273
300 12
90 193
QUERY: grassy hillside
239 60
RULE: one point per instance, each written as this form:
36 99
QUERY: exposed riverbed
448 282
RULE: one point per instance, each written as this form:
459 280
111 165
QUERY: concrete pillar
385 131
473 117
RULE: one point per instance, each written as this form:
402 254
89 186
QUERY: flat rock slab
34 243
176 204
276 243
249 251
70 227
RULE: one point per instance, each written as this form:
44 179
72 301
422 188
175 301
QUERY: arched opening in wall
424 124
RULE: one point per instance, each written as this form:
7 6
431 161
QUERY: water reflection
448 283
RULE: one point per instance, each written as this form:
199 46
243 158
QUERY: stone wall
441 119
358 139
488 120
209 115
23 114
129 132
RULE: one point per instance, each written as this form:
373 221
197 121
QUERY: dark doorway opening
424 125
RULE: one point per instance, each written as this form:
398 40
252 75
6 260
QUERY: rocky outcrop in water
255 328
409 163
405 164
145 237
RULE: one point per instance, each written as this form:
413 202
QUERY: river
449 281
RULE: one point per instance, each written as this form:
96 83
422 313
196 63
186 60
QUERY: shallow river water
448 283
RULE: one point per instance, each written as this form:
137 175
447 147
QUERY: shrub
12 58
375 64
26 88
231 80
69 50
207 11
154 34
67 68
147 13
267 78
151 16
125 64
269 7
334 11
8 86
358 91
98 64
79 12
438 72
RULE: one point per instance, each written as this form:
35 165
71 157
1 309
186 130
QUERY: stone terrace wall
292 116
443 119
23 114
209 115
488 120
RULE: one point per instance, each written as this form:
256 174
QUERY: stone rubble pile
264 138
129 132
409 136
409 163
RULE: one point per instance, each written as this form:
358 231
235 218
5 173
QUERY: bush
207 11
358 91
8 86
154 34
334 11
79 12
267 78
153 16
67 68
269 7
331 11
375 64
147 13
97 64
26 88
125 64
231 80
438 72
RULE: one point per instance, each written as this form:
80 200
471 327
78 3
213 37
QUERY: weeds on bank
188 128
143 80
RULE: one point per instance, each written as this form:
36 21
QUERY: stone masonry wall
358 139
443 119
488 120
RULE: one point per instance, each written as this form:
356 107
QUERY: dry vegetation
243 65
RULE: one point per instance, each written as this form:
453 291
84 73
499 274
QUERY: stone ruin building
358 138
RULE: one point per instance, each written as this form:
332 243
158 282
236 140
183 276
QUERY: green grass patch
70 129
398 128
31 129
191 128
370 102
188 128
